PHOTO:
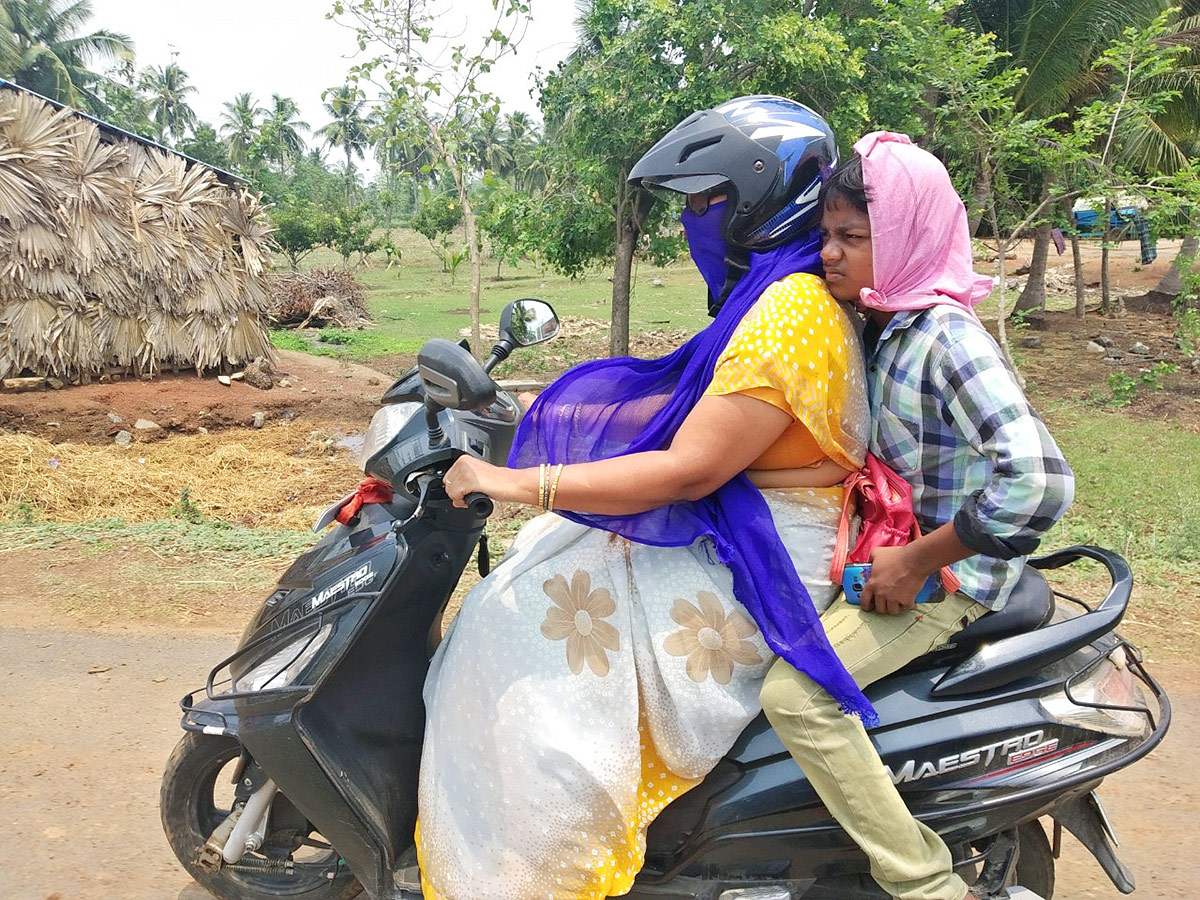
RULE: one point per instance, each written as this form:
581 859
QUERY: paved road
81 756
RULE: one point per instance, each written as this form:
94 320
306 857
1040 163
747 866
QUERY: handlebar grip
480 505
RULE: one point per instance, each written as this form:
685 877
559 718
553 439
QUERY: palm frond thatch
119 254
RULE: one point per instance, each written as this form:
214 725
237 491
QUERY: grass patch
166 537
415 300
1137 486
283 339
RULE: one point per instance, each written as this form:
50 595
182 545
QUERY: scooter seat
1029 607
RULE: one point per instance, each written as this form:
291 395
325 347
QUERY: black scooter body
346 748
966 731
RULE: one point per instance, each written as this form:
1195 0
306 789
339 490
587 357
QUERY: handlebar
480 505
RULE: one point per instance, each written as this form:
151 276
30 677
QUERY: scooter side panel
966 766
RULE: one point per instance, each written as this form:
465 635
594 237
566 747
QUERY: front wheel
294 861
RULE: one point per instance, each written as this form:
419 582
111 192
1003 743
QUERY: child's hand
895 581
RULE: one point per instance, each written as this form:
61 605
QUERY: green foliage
437 216
205 146
300 227
334 336
43 48
186 508
166 89
349 231
640 67
1122 387
1156 373
24 513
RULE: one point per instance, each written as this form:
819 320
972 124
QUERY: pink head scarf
919 241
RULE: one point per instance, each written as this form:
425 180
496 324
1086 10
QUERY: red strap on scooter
370 490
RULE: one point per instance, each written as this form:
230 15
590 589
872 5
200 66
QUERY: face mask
706 245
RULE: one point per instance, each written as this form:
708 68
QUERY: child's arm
1030 486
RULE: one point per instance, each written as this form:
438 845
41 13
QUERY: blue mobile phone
854 579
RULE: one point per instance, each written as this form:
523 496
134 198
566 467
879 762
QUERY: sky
288 47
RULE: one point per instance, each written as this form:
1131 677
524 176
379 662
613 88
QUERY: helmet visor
674 191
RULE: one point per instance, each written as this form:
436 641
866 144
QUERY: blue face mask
706 245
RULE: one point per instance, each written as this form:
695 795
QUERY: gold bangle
542 486
554 486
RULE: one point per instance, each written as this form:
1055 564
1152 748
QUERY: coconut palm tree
349 129
488 148
41 48
239 127
526 171
280 133
167 87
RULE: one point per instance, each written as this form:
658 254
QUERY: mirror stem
500 351
437 437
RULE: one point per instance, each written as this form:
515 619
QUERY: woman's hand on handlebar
471 475
466 476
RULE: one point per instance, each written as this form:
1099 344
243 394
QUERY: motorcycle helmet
769 153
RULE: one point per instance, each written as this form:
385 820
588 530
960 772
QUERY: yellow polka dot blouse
798 349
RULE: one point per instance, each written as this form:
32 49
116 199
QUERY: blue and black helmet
770 154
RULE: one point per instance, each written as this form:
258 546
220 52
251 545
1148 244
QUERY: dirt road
81 756
82 747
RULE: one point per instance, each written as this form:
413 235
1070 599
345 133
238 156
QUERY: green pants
908 859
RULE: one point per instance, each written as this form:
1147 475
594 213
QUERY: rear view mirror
452 378
527 322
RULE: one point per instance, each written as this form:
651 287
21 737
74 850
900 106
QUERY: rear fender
1084 818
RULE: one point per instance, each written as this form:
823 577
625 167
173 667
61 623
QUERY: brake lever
426 483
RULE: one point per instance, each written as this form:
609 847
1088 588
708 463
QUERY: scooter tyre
190 813
1035 862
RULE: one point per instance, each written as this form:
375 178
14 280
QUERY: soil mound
327 393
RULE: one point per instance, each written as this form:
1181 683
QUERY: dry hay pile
256 479
120 255
319 297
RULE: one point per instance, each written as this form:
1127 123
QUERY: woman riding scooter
617 653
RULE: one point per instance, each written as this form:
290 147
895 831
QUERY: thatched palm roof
115 252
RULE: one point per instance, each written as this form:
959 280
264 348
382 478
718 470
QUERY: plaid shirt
949 417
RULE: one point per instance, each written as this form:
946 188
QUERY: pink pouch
883 501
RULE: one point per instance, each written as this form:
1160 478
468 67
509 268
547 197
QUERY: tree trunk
1105 295
472 231
1108 305
618 335
979 198
1171 283
629 227
1033 297
1077 261
1002 284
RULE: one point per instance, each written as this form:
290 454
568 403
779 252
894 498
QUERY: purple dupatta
612 407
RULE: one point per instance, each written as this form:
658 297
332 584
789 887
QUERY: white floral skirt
586 683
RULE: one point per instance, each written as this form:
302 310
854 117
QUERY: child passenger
988 481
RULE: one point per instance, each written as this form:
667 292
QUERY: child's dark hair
846 185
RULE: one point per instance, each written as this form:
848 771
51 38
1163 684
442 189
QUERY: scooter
297 773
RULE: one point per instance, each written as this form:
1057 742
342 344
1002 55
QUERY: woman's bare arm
721 436
826 473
